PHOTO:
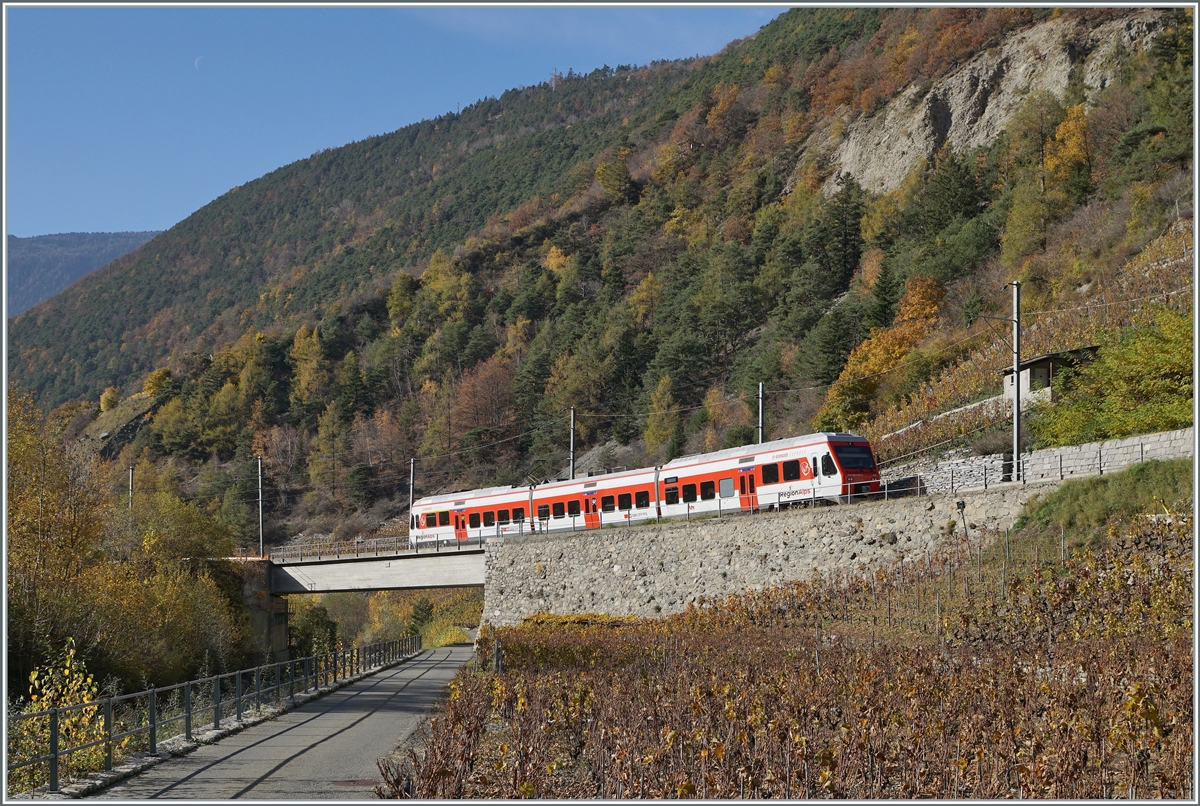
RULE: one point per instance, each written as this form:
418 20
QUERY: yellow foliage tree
1071 146
722 413
310 380
556 260
663 419
645 299
109 398
849 399
724 98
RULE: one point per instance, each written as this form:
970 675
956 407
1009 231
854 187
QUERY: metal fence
375 547
142 719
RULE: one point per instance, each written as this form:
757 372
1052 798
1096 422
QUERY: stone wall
1054 464
1098 458
658 569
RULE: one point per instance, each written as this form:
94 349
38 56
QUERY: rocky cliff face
971 105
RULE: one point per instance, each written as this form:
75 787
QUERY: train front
856 463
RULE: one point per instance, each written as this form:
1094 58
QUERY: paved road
325 749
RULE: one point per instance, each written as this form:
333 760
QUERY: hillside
827 207
41 266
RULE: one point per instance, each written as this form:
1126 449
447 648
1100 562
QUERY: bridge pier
268 610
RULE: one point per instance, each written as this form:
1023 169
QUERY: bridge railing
73 740
376 547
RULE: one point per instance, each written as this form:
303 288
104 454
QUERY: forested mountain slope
644 246
41 266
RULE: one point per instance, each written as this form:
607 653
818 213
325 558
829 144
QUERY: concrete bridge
407 570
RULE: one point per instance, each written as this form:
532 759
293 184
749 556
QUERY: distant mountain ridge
41 266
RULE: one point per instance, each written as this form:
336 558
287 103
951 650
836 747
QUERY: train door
747 494
460 526
591 511
833 477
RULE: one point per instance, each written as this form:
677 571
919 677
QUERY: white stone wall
1109 456
658 569
1055 464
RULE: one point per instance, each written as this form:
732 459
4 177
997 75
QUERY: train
825 467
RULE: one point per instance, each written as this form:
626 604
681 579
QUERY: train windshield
854 457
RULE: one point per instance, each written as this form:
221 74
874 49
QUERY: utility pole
572 442
131 486
1016 351
412 472
1016 380
261 547
760 412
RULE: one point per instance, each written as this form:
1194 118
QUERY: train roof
450 498
765 447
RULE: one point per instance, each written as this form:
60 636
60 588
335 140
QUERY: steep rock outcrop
971 105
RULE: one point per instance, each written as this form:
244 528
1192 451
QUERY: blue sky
132 118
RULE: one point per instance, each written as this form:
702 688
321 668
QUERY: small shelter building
1037 373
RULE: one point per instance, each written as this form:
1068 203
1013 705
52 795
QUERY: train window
815 466
689 493
855 457
572 508
518 514
791 471
443 519
474 520
543 512
560 511
624 501
608 503
672 495
727 488
770 474
489 519
828 468
708 490
642 499
502 517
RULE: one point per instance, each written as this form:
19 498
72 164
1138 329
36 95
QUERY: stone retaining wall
1098 458
1052 464
658 569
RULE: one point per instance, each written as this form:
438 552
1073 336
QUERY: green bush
1139 385
1094 502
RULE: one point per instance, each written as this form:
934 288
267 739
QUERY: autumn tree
56 510
282 448
1069 155
662 420
310 387
483 402
401 298
849 399
723 414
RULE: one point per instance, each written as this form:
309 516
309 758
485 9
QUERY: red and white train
814 468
